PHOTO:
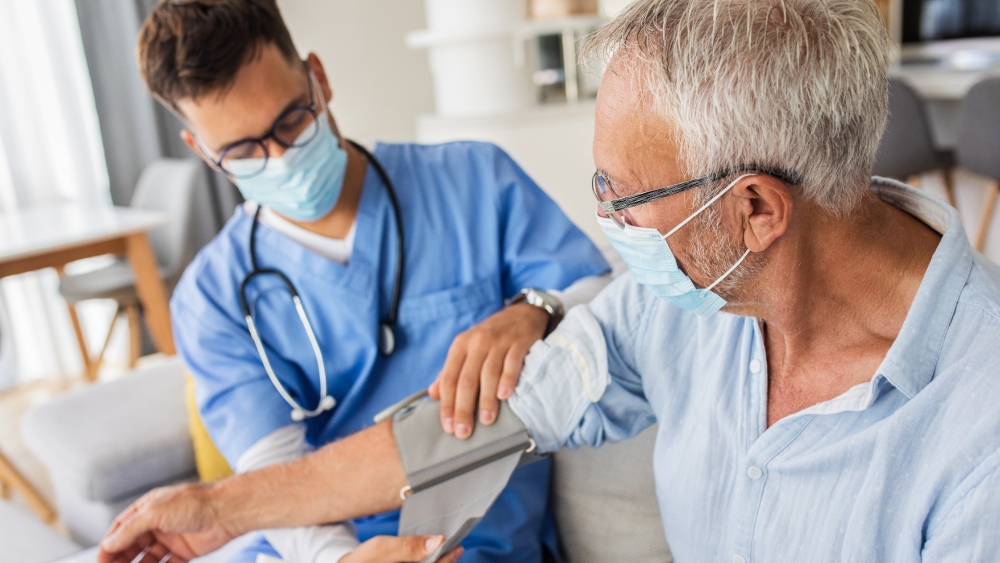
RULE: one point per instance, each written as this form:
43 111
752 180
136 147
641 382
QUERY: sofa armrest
112 440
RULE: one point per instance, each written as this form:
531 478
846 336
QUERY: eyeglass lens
295 128
603 191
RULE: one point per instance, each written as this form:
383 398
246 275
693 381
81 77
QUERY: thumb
416 548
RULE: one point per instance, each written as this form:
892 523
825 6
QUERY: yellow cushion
211 465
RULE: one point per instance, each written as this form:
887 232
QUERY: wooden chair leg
89 366
949 187
107 340
986 217
4 490
20 485
135 335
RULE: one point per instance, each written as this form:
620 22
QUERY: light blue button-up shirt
901 468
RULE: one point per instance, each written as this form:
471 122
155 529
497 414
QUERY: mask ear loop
706 206
726 275
695 214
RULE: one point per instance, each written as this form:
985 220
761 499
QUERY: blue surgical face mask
304 183
653 265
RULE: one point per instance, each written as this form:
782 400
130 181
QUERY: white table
51 236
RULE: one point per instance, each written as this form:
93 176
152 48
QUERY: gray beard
712 253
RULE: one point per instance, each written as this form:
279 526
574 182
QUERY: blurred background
80 134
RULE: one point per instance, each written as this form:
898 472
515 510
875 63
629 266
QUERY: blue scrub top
477 230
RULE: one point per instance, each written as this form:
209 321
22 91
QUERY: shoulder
456 158
635 315
982 291
210 284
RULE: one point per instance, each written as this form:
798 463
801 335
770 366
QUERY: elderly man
840 407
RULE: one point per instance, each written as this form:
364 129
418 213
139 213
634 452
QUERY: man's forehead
262 88
633 143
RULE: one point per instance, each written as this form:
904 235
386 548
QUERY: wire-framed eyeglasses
616 208
295 127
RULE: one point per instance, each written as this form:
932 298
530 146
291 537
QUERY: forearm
358 476
304 544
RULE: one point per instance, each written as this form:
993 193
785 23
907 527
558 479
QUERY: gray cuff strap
452 482
430 456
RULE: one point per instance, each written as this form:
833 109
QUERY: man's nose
274 148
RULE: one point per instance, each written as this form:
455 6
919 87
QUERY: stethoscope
387 336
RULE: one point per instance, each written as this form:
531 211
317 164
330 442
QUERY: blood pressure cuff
452 482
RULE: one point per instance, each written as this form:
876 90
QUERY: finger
447 381
488 381
512 365
157 552
453 555
125 556
467 390
130 530
434 391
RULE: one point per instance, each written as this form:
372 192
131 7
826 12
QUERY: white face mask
653 264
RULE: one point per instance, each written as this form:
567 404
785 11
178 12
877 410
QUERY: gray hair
799 85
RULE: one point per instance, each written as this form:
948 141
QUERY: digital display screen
935 20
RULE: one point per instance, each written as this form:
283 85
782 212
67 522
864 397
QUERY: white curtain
50 150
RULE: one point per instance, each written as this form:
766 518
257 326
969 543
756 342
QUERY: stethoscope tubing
387 340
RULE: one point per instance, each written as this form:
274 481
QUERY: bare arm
357 476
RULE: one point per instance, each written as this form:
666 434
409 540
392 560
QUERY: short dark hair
189 48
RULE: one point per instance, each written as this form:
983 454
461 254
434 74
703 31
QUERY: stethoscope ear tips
298 415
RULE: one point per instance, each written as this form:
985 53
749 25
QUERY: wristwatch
544 301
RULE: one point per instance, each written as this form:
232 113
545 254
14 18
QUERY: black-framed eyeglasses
616 208
295 127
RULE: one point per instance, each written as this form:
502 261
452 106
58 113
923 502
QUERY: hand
486 361
407 549
177 519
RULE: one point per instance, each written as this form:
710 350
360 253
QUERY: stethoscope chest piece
386 339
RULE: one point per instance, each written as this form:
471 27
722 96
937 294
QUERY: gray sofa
25 539
107 444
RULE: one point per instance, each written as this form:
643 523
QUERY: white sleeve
582 290
310 544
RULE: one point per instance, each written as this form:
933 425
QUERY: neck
836 285
337 223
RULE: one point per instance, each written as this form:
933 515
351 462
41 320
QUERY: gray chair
179 188
907 148
978 148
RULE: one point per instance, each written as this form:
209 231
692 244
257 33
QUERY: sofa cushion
25 539
604 503
111 440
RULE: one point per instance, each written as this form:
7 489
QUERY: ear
188 138
317 69
765 205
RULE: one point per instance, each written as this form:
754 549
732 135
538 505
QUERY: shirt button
754 473
739 559
755 366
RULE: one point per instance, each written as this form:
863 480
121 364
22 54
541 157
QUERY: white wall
382 89
553 144
379 85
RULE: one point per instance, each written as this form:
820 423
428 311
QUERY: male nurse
279 376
